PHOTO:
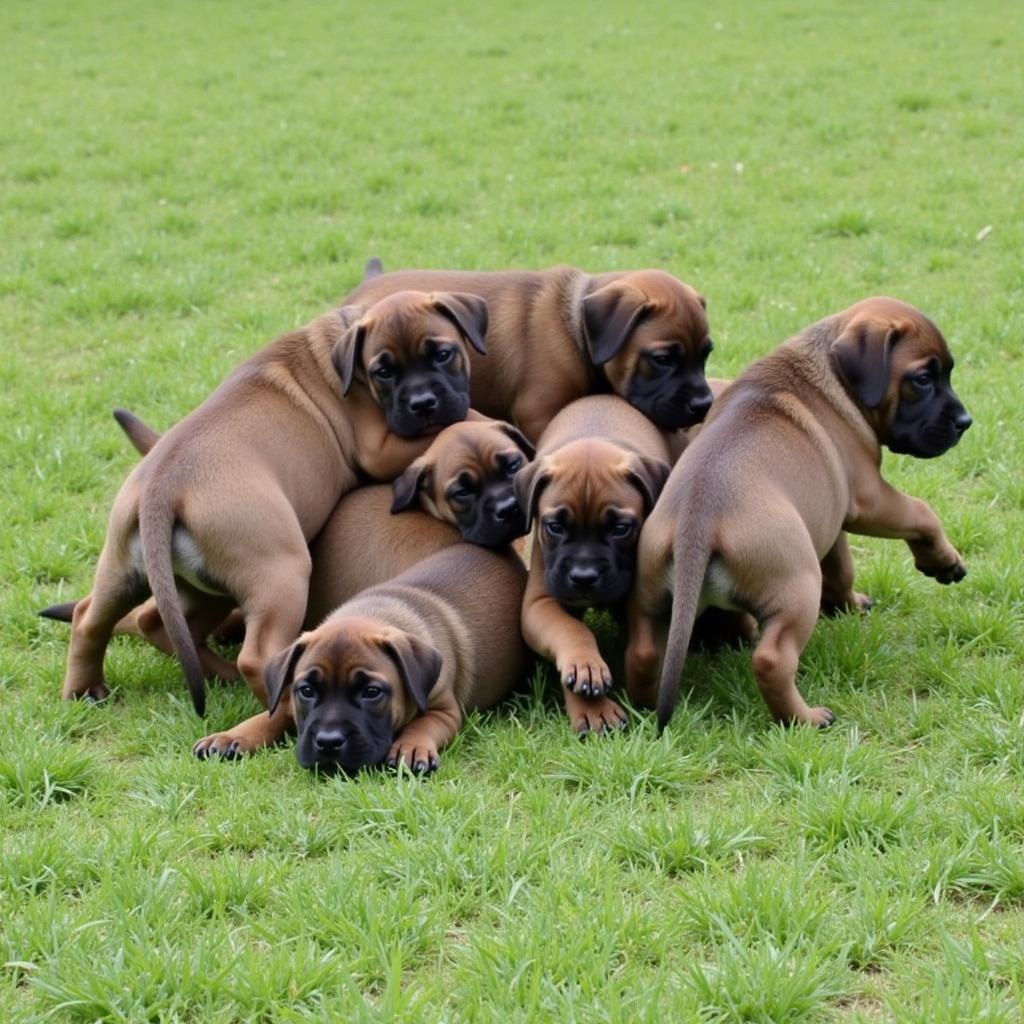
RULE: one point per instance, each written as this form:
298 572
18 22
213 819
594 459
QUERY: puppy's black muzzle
673 403
585 583
426 405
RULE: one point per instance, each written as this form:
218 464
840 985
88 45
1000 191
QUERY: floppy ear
527 485
861 355
349 347
648 476
278 673
404 488
610 316
467 312
519 437
418 664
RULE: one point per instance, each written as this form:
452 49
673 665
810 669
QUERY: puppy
788 459
599 469
466 478
388 675
556 335
226 502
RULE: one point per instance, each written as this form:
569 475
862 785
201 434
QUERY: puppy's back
362 544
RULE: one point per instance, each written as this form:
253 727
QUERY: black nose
330 740
699 406
582 577
505 508
423 403
962 420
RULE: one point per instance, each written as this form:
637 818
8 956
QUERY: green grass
183 181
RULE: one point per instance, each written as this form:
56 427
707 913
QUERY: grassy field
183 181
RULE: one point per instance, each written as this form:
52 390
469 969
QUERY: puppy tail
59 612
156 529
141 435
373 268
692 552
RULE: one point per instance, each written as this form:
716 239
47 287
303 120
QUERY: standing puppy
599 469
464 481
789 458
388 675
556 335
227 500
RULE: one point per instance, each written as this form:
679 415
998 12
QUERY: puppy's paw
953 574
585 674
951 571
820 718
598 715
225 745
853 602
95 693
418 756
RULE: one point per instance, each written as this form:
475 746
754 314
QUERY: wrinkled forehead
920 339
404 319
589 481
673 300
346 646
474 446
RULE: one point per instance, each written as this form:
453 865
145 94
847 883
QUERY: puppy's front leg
417 745
837 572
885 512
556 635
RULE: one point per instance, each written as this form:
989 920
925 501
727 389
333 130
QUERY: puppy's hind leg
116 590
273 619
784 634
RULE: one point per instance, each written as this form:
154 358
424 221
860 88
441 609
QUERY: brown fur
245 481
443 636
540 355
788 458
598 453
360 545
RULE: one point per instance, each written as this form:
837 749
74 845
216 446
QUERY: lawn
183 181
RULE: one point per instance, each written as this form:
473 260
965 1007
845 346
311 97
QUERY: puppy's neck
572 312
813 362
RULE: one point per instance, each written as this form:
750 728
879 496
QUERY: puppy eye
923 379
662 358
621 529
708 349
443 355
554 528
462 492
306 691
513 466
373 692
382 372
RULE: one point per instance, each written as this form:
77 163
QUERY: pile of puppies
587 391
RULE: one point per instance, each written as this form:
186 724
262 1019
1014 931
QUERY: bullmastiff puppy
789 458
225 503
466 478
463 479
599 468
387 676
559 334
